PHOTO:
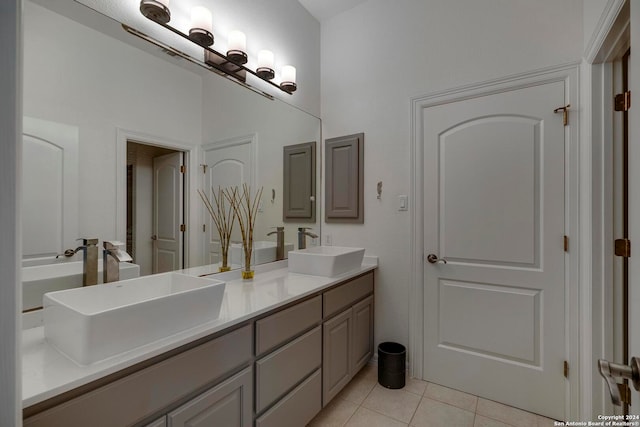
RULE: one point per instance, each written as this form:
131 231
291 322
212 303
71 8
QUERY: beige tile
431 413
397 404
544 421
452 397
488 422
415 386
358 389
335 414
369 372
367 418
506 414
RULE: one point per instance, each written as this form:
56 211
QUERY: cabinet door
362 334
228 404
160 422
336 354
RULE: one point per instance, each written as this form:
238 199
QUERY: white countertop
47 373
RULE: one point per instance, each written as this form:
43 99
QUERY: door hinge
622 101
565 113
623 248
625 393
204 227
566 243
204 168
566 369
183 227
182 169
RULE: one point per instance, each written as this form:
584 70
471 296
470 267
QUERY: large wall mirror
109 120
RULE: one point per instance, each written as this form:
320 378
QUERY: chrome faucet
302 240
89 250
112 256
279 242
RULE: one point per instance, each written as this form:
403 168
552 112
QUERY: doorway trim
190 160
577 227
610 40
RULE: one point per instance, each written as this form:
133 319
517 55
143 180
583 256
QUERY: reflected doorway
155 207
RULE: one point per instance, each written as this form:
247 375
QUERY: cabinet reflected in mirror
83 72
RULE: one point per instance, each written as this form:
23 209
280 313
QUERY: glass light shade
237 41
164 2
201 18
265 59
289 74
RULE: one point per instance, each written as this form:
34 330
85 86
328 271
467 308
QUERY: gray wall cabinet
299 184
278 370
344 177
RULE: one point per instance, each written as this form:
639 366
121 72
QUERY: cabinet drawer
296 408
345 295
286 324
138 395
281 370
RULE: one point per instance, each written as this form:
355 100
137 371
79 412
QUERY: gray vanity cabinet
348 336
288 372
336 353
162 422
225 405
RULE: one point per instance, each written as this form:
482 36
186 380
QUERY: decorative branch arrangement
223 218
245 211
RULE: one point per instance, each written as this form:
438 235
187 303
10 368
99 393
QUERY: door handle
611 371
433 259
154 237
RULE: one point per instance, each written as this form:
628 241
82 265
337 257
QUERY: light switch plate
403 202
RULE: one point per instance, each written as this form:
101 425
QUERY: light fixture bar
213 58
171 51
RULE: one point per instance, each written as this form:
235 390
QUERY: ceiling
326 9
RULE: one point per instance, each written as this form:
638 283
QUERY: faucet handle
278 228
301 229
88 242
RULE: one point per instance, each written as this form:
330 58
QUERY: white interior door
494 209
167 212
49 184
229 163
634 198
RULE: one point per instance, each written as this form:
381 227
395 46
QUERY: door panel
483 161
49 184
229 164
494 209
167 212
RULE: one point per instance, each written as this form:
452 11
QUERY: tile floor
363 402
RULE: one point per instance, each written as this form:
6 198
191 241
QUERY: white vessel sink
40 279
328 261
263 252
93 323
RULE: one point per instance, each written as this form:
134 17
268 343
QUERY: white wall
283 26
592 13
10 243
78 76
380 54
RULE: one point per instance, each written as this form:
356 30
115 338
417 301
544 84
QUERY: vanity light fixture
201 26
288 79
237 47
156 10
265 65
231 64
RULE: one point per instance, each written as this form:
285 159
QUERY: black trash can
391 364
